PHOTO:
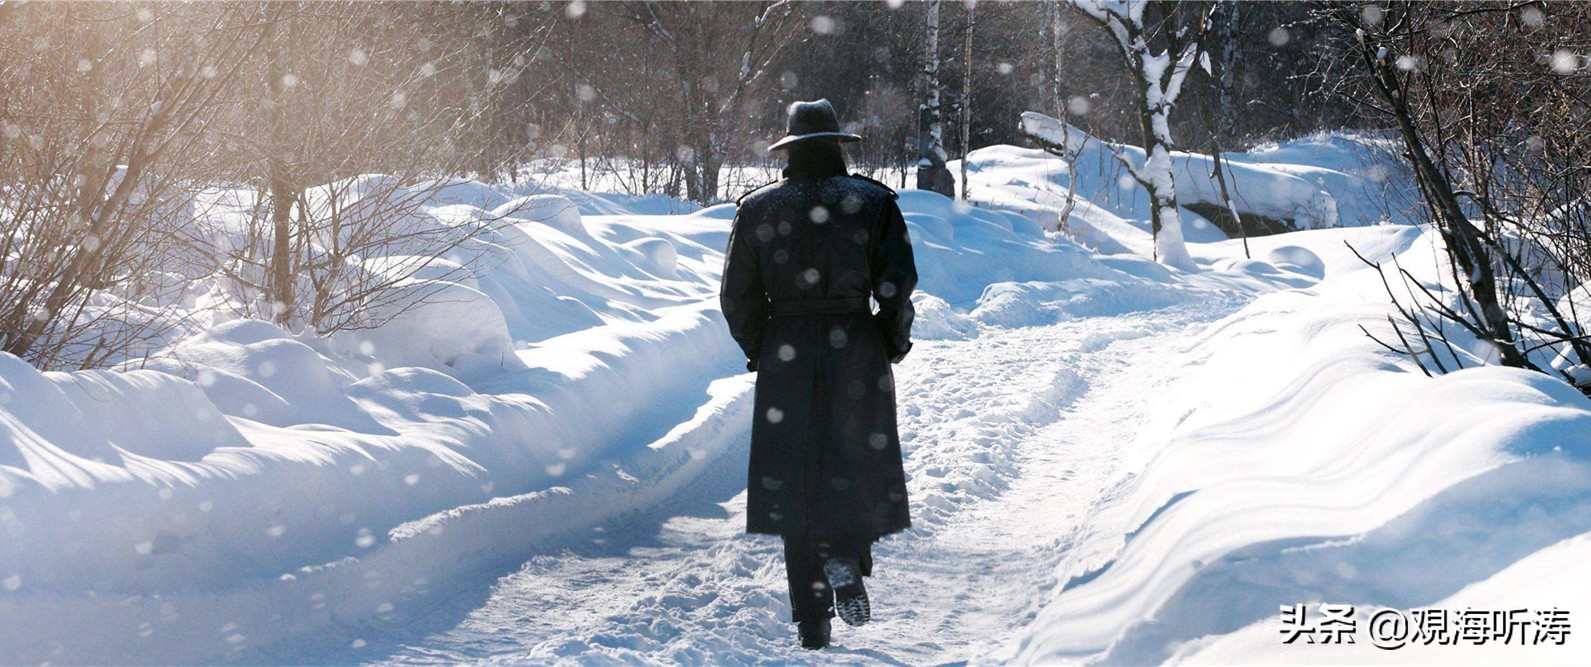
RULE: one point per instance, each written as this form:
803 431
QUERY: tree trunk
936 123
1222 128
1164 220
279 182
1463 239
932 174
1057 46
966 99
701 173
1146 127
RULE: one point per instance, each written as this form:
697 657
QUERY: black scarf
815 159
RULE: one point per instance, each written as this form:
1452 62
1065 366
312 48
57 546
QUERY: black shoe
814 634
850 596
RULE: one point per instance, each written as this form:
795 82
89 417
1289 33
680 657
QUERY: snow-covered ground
1009 451
1108 459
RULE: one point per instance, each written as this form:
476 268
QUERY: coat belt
821 306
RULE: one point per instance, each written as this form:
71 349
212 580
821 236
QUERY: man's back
815 237
807 259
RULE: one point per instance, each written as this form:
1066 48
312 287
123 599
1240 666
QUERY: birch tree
966 98
1224 127
932 174
1059 29
1159 49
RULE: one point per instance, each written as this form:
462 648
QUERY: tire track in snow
1010 439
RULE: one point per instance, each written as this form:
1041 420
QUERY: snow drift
1298 463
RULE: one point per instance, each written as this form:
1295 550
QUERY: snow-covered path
1011 439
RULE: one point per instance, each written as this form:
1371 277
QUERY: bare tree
714 87
1160 44
104 111
147 150
349 165
1497 149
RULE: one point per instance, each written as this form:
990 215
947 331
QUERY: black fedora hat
813 120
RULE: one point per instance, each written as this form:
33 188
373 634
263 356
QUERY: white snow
1551 578
1306 464
1315 182
1108 458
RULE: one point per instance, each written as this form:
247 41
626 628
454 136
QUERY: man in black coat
806 256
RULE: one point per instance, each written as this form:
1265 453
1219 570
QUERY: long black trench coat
804 256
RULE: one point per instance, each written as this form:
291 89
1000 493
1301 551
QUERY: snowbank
1300 462
1110 216
1552 578
246 470
1316 182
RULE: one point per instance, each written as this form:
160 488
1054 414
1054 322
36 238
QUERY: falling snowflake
1565 61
